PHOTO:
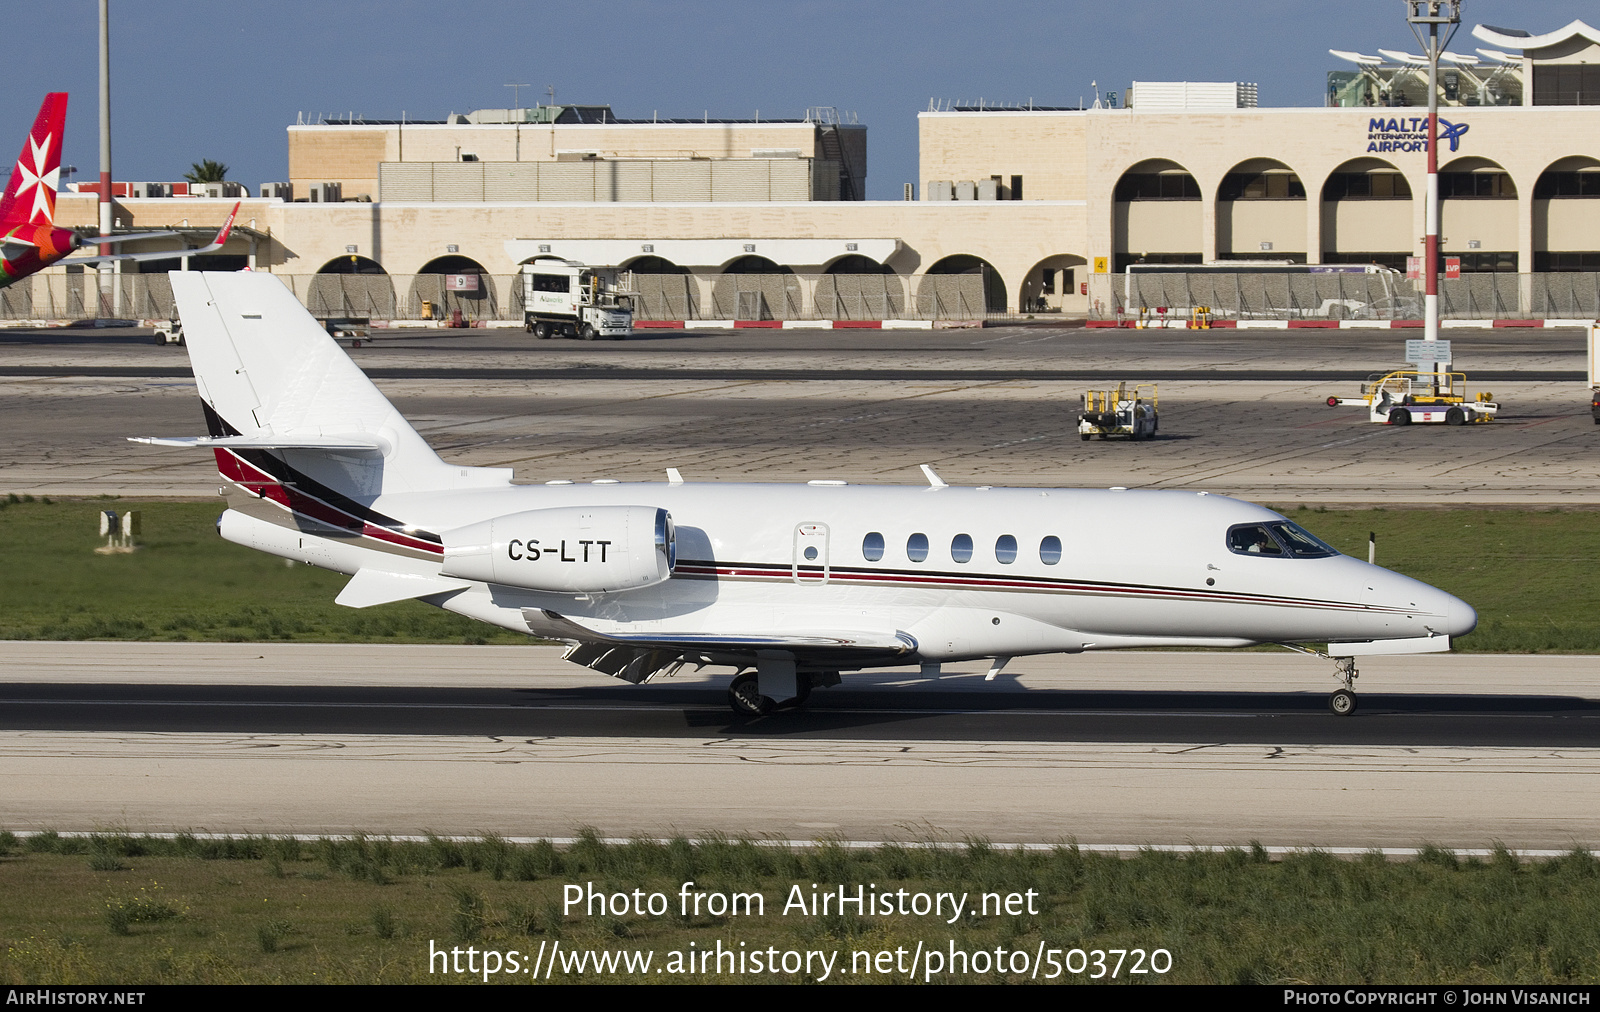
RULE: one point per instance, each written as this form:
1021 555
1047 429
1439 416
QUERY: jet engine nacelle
566 550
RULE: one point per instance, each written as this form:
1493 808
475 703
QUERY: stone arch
1398 188
1483 171
667 291
1261 212
1157 214
855 263
430 285
350 263
649 263
857 287
752 263
1566 215
1051 285
960 287
1366 208
752 287
352 287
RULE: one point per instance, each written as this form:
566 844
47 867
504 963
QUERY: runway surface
1162 748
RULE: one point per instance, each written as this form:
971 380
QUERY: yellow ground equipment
1125 411
1404 396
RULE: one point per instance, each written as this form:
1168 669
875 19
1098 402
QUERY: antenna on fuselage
933 479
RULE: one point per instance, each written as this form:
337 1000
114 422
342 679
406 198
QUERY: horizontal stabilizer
1413 645
376 586
371 444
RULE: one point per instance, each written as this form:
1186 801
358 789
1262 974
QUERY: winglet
222 234
933 479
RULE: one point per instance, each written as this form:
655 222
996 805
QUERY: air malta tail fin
30 197
286 407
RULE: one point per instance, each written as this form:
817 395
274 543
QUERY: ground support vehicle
563 297
1126 411
346 327
1403 396
170 332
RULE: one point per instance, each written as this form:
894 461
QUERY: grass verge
366 910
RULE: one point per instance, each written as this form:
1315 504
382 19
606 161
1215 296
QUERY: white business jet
788 584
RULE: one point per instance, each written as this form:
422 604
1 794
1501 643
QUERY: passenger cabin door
811 553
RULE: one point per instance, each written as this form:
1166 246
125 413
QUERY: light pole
106 274
1432 13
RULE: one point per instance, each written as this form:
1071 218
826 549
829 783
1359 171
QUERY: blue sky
222 82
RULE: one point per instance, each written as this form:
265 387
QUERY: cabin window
917 547
1005 550
1050 550
961 548
872 547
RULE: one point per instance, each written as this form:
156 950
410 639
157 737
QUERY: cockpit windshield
1301 543
1281 540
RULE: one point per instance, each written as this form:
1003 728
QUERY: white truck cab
567 298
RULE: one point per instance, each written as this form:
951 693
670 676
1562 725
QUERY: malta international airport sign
1409 133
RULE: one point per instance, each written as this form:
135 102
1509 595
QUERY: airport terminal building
1016 210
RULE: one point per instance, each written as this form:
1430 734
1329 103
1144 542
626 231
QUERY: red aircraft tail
30 197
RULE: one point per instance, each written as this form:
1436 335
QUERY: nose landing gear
1343 701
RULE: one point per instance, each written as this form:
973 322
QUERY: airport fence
1563 295
498 297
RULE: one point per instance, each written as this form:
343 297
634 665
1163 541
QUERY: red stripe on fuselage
778 573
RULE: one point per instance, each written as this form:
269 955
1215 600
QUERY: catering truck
566 298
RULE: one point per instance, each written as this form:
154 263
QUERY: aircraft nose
1460 617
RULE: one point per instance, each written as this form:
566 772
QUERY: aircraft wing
105 240
642 655
614 648
216 244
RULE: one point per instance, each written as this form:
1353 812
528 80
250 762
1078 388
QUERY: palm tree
207 171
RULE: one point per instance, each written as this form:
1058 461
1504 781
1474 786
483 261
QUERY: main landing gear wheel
1342 702
744 695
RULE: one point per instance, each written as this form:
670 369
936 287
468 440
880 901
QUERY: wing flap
797 640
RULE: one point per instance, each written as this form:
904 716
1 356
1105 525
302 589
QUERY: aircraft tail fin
30 197
268 372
